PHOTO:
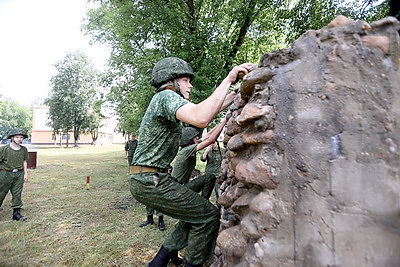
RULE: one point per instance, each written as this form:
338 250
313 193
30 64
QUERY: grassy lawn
69 225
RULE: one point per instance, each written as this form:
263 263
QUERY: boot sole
22 219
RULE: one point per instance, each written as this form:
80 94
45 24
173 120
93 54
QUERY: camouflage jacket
160 131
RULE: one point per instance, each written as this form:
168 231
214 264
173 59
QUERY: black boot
148 221
161 224
161 259
17 216
175 258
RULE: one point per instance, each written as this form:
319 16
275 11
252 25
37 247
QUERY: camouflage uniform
185 162
130 147
159 139
11 159
214 160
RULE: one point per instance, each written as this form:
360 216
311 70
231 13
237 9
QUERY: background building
42 134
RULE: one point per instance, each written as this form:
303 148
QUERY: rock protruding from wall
312 176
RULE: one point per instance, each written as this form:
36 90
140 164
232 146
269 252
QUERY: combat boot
161 224
17 215
148 221
175 258
161 259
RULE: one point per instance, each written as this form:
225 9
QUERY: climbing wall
312 175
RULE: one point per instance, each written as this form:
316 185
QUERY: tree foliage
94 122
73 95
12 116
211 35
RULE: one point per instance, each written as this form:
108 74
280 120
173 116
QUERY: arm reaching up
211 136
200 115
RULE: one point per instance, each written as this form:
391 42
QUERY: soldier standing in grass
159 138
130 147
13 171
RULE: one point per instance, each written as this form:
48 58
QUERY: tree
94 120
72 95
12 116
210 35
205 33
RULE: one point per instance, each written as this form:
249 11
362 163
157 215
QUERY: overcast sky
35 34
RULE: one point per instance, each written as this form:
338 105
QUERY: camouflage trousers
204 184
198 224
13 182
130 160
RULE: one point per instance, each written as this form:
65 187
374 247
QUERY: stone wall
312 172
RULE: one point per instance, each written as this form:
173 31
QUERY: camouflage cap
17 132
188 133
168 69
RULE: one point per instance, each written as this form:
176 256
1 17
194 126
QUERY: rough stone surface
312 176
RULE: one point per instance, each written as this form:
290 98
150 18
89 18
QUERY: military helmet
188 133
17 132
168 69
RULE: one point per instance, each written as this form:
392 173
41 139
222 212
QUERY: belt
140 169
14 170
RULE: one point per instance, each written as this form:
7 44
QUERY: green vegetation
12 115
69 225
74 104
211 35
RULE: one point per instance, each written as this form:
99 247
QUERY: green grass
69 225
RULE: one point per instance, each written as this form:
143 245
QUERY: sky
34 35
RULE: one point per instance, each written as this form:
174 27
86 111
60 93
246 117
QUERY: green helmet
17 132
188 133
168 69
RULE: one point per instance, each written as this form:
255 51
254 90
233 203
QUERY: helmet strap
176 86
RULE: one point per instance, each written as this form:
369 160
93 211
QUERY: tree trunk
247 21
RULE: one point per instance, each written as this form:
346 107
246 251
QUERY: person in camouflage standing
159 138
213 156
130 147
185 160
13 171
